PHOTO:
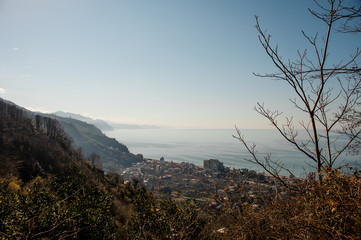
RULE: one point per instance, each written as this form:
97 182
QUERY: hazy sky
178 63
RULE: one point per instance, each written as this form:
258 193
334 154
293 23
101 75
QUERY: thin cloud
15 49
2 91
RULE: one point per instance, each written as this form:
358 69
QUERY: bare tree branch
326 106
271 167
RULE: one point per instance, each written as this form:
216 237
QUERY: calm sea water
181 145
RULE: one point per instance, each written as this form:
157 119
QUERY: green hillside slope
91 140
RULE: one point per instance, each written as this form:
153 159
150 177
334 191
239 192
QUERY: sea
197 145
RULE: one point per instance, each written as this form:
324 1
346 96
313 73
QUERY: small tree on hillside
327 93
96 160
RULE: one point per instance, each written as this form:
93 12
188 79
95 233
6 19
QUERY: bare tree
326 92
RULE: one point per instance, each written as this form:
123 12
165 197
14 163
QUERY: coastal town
210 184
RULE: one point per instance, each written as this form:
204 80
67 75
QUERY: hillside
87 137
91 140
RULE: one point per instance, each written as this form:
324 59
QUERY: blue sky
185 64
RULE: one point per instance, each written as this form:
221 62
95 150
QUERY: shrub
157 219
70 211
327 210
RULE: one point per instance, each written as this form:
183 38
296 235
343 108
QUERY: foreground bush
330 210
158 219
47 208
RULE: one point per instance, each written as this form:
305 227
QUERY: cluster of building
187 180
164 168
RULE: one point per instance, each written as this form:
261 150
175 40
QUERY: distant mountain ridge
105 125
101 124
